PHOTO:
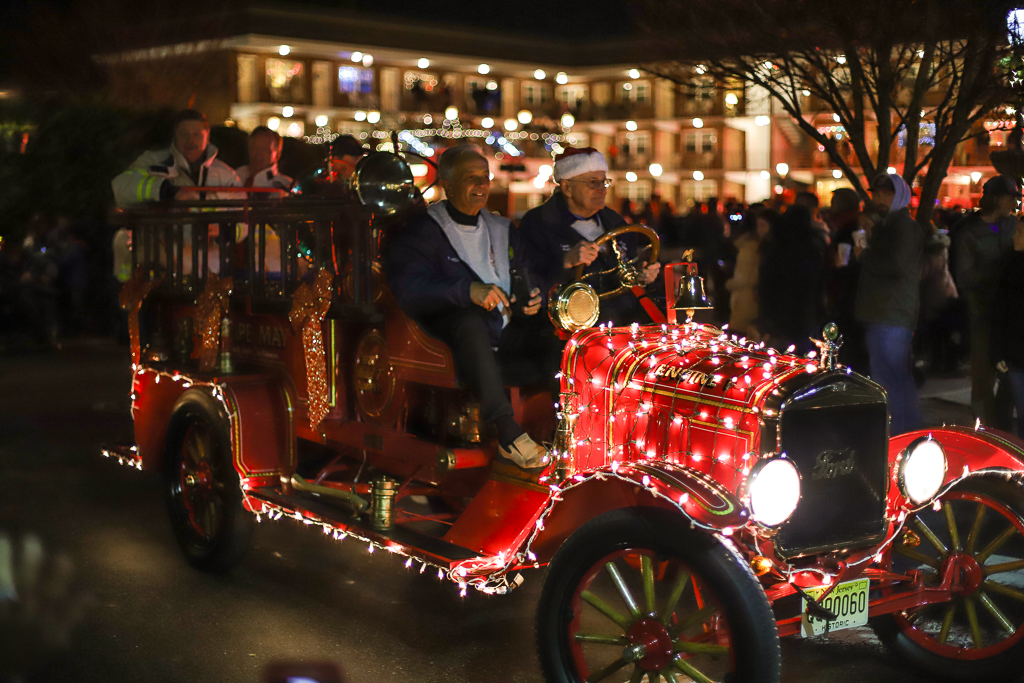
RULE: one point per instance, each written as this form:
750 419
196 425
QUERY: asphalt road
296 596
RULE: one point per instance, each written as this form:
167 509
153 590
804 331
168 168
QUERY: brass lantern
690 296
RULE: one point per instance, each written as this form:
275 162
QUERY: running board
401 539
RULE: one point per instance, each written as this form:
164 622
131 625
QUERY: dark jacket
546 233
792 280
429 279
978 249
888 290
547 236
1008 313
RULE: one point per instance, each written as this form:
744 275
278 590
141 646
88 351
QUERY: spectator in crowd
628 210
333 179
705 231
888 293
842 270
934 340
264 152
748 237
68 251
190 161
792 281
38 293
982 239
1008 322
346 152
810 200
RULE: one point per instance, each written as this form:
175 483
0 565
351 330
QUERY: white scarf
491 264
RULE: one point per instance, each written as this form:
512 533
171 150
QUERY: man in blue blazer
451 271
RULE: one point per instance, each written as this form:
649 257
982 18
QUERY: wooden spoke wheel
976 541
633 596
204 498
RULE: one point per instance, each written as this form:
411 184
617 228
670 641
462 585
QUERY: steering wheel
628 274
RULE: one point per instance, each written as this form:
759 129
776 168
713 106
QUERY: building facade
314 75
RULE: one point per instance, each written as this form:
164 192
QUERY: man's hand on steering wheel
650 272
583 254
487 296
626 269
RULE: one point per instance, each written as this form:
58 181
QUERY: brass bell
690 294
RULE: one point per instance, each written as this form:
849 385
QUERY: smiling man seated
451 272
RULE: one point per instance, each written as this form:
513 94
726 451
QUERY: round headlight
774 490
574 306
922 470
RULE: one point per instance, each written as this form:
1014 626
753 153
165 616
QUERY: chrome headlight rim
558 306
905 458
755 472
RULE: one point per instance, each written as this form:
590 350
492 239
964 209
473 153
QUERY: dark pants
889 349
1016 379
528 353
983 372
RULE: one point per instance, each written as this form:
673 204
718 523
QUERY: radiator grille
842 455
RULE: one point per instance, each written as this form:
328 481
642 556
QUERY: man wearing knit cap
451 271
560 233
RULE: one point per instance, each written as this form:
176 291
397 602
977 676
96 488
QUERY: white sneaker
525 453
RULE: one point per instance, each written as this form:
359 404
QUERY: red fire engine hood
686 393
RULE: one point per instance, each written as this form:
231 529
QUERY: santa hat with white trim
573 162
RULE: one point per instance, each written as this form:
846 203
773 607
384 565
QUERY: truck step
402 539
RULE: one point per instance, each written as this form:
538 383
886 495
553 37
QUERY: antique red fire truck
705 496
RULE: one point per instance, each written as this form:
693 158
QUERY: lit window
701 142
572 95
426 82
637 143
286 80
636 91
354 80
535 94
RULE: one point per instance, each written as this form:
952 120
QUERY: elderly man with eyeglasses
560 233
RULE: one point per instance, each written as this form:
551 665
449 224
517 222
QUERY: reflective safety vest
145 177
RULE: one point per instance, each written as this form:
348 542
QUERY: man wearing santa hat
560 233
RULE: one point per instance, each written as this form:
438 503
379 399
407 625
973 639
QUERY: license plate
849 602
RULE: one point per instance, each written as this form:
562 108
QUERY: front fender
697 498
968 452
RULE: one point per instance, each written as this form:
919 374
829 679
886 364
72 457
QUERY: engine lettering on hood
833 464
695 376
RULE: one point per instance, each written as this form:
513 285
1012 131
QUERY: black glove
167 190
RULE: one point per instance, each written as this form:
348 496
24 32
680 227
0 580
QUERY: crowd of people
55 283
907 298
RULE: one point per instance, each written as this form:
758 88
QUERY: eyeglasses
594 184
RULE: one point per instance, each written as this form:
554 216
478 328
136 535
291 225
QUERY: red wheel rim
202 489
635 614
986 616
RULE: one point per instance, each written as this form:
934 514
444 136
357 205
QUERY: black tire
655 548
209 522
916 635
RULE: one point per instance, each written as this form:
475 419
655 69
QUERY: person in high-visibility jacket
261 171
191 161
